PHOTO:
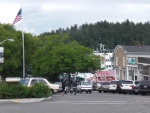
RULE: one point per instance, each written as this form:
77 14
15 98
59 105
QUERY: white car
127 86
85 86
31 81
113 86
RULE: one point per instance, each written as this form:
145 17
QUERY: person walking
74 86
63 86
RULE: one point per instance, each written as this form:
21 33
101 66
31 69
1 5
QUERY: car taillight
132 86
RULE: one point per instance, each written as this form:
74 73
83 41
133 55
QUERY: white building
106 59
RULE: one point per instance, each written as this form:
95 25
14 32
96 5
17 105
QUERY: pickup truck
31 81
85 86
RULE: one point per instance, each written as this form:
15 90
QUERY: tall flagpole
23 54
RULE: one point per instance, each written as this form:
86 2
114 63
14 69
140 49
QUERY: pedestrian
74 86
63 86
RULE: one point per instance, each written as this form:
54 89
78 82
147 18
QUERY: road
84 103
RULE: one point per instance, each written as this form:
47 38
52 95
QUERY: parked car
127 86
144 87
60 85
31 81
105 87
85 87
113 86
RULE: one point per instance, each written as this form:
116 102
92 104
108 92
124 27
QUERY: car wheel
124 92
120 92
99 91
143 93
86 91
90 91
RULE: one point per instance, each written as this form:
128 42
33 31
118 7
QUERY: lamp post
6 40
1 50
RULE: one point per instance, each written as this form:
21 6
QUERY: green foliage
59 51
40 90
24 92
10 91
15 90
64 57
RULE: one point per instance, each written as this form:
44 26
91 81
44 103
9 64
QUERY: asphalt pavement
25 100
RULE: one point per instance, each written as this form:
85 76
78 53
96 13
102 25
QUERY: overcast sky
45 15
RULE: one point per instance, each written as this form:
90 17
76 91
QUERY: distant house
132 62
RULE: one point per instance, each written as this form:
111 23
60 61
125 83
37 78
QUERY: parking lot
103 103
84 103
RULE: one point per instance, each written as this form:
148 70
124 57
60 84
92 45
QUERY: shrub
40 90
8 91
12 91
24 92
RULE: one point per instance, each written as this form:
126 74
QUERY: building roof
105 73
136 48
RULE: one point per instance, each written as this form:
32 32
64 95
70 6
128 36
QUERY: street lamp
2 50
6 40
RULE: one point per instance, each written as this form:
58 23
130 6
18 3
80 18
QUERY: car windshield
114 82
106 83
86 83
58 83
128 82
24 82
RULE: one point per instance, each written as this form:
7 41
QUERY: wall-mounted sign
131 60
1 54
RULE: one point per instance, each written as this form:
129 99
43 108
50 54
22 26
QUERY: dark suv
144 87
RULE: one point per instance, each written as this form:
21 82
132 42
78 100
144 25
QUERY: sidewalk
28 100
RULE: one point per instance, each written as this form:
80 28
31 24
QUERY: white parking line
100 102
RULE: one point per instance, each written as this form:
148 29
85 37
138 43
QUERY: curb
28 100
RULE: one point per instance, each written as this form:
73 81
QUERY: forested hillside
108 33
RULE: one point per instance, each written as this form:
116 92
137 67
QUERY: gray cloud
45 15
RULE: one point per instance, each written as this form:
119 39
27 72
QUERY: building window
135 77
116 60
123 61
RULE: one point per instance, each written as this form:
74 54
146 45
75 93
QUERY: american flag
18 17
